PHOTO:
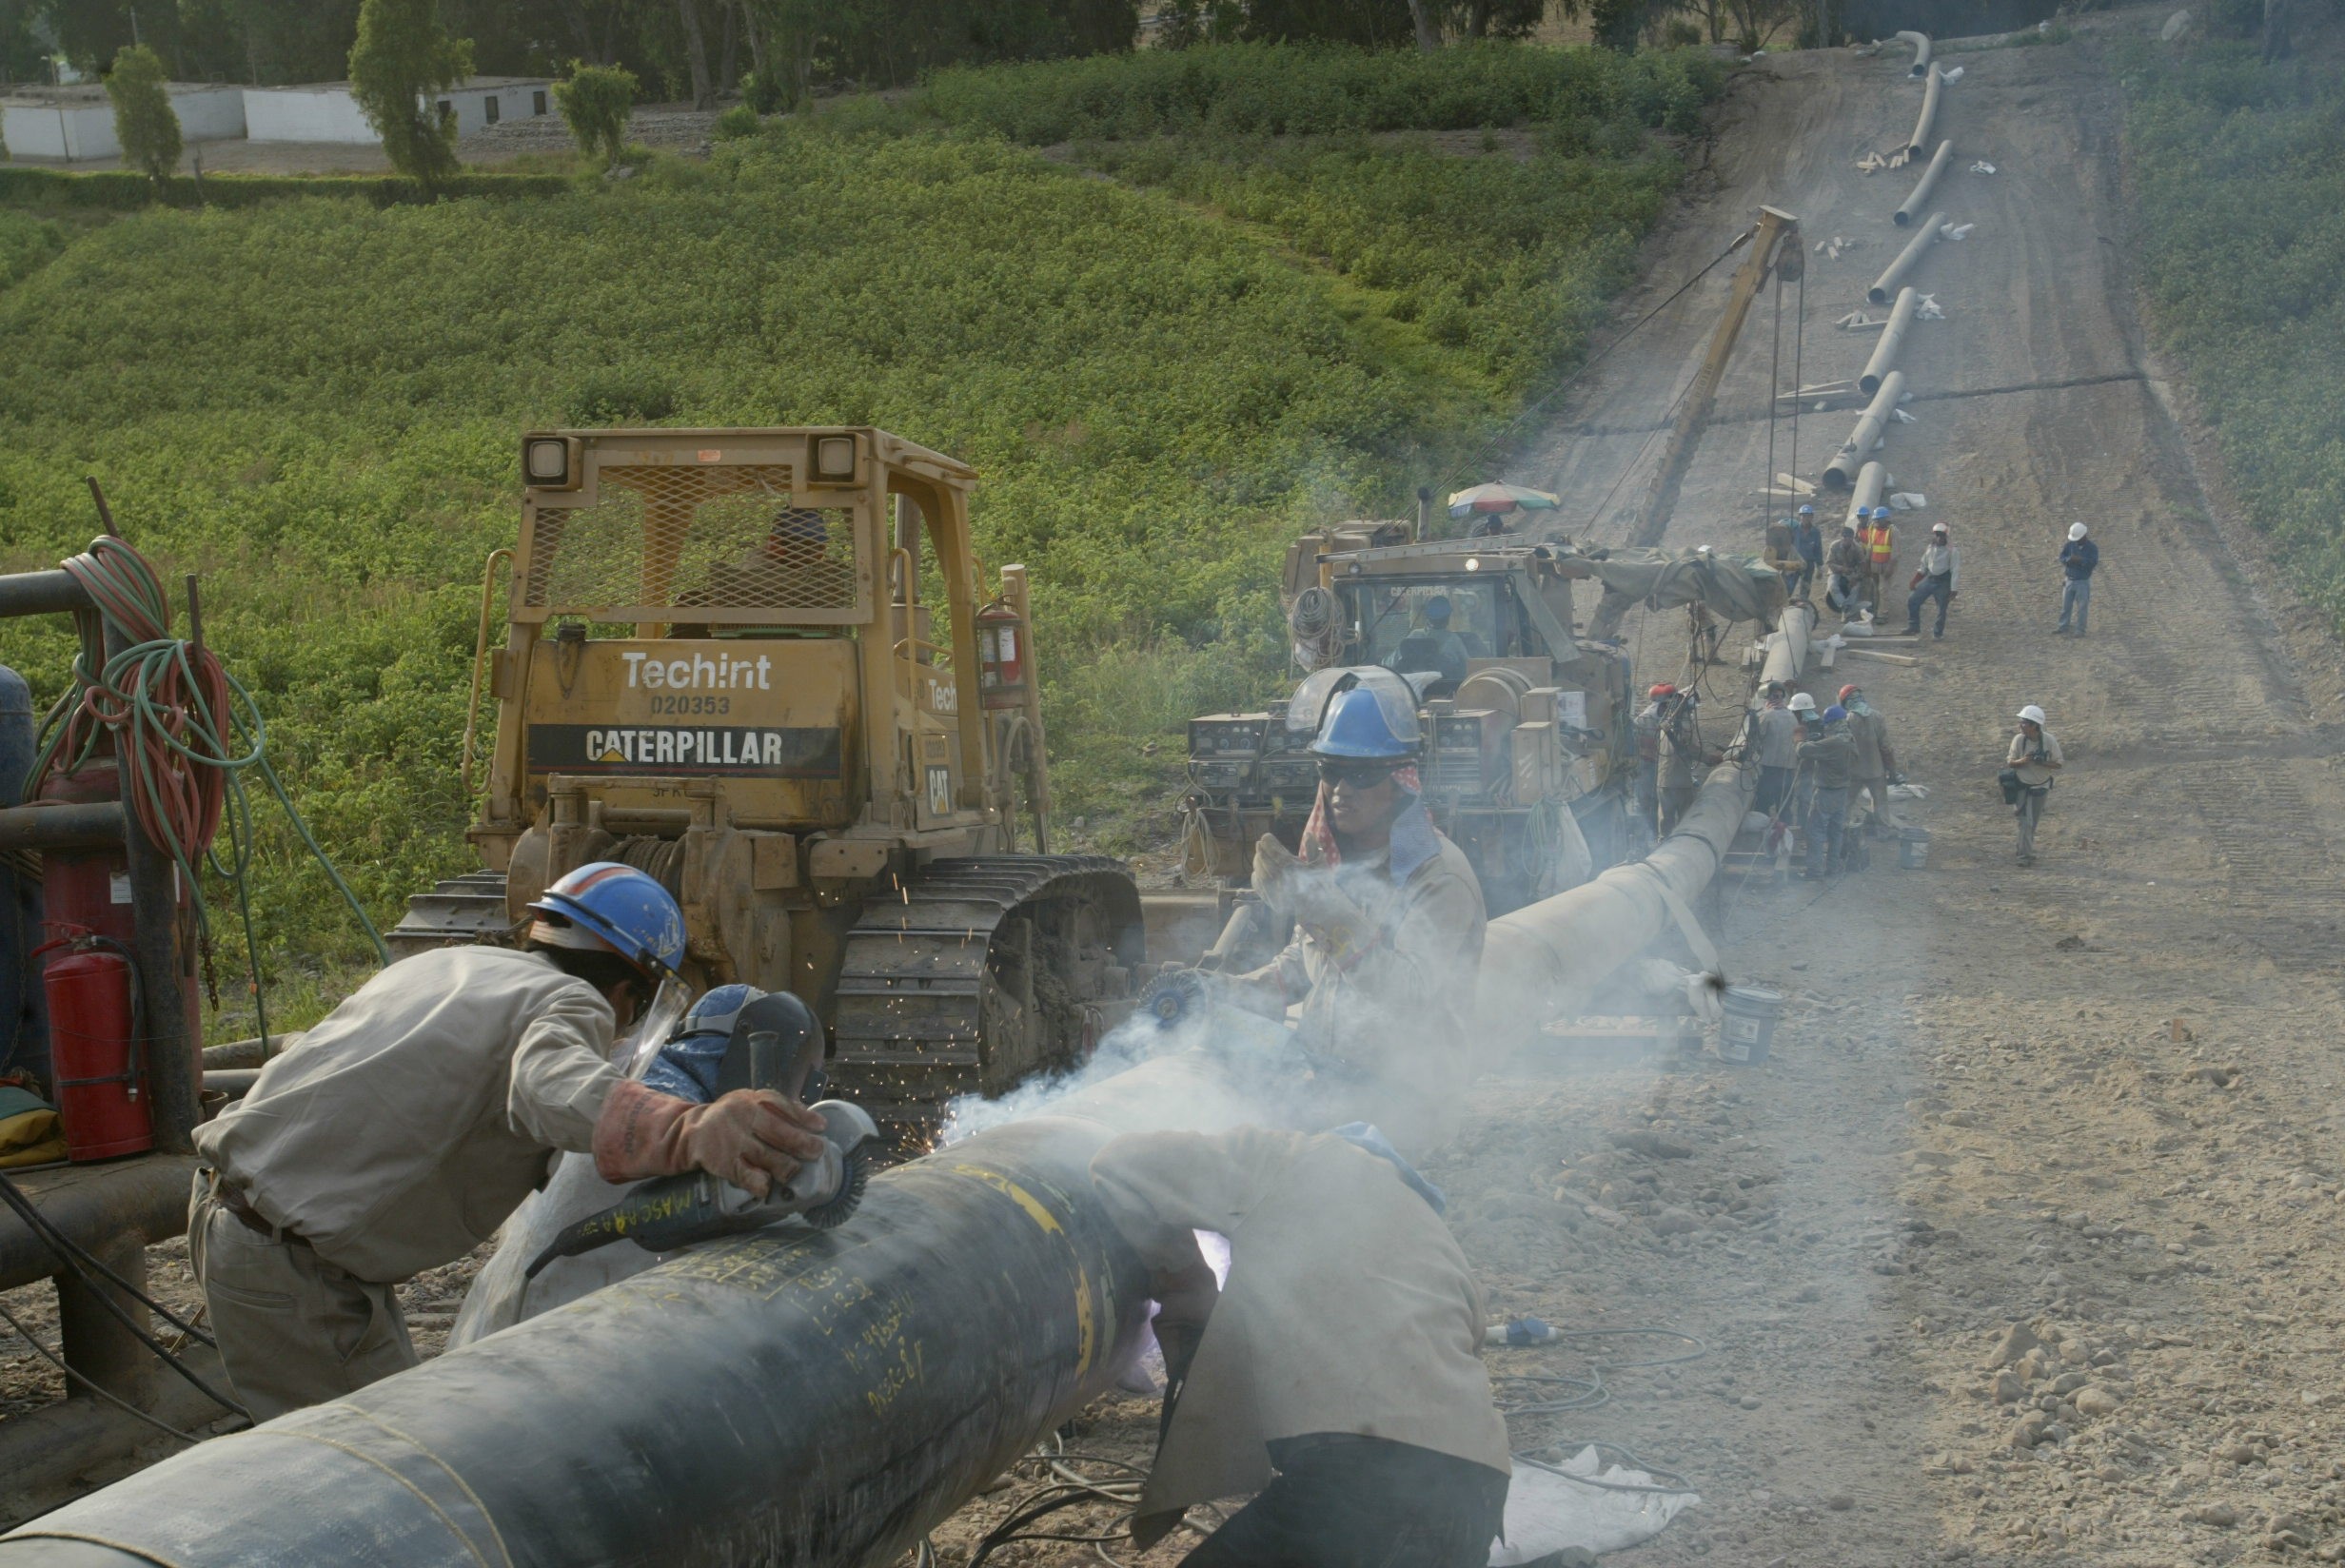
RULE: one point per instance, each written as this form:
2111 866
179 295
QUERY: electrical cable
68 1248
1595 1392
106 1394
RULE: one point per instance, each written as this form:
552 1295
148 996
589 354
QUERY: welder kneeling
400 1132
1338 1374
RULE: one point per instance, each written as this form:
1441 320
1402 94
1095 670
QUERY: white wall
306 114
208 113
69 132
514 102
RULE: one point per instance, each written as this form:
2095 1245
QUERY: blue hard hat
1355 726
620 907
1437 610
714 1013
1806 512
1835 713
1880 512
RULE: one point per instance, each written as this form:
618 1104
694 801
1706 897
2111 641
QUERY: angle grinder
776 1043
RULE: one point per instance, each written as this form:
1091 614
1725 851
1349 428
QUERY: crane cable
177 719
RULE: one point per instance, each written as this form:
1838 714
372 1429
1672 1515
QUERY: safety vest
1878 538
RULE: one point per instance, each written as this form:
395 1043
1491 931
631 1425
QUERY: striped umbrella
1500 498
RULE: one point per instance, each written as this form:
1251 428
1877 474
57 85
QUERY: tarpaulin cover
1734 587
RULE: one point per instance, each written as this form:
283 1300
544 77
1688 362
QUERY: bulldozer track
922 995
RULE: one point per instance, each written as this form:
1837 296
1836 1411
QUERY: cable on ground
106 1394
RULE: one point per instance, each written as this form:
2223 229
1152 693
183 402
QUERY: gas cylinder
94 1050
1002 656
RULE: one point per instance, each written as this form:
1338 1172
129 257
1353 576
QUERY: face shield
1394 694
632 1052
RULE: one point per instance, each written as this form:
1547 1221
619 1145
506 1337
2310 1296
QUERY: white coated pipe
1886 284
1892 339
1907 214
1871 481
1920 41
1787 645
1841 472
1929 113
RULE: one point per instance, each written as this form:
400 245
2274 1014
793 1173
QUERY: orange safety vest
1878 538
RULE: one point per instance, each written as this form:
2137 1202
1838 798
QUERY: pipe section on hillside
1871 481
1841 472
1892 339
1889 282
1787 645
1920 41
1913 208
1928 121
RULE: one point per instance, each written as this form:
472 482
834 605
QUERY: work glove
1308 896
750 1138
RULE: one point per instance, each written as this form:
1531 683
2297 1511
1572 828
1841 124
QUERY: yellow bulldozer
766 667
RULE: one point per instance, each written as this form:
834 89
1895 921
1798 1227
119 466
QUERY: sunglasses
1364 775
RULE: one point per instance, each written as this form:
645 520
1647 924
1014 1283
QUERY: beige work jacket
1348 1307
1868 730
1400 1011
399 1133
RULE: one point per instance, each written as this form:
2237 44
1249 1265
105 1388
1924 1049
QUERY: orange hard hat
1847 692
1664 689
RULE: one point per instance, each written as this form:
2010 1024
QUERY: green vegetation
2239 170
594 104
1163 375
144 121
53 192
403 58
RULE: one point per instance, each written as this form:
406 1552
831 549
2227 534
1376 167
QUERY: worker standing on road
1845 589
1680 747
1388 927
2034 757
1831 759
400 1132
1338 1376
1880 540
1939 577
2080 557
1775 735
1807 543
1875 762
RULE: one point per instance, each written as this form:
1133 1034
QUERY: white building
76 123
326 111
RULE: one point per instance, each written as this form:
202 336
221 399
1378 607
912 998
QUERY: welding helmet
1835 713
1357 726
614 908
715 1013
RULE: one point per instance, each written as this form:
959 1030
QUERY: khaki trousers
293 1329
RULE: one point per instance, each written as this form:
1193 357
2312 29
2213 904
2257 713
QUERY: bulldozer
766 667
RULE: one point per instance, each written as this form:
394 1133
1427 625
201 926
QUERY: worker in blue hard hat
1433 648
1879 538
1829 759
399 1133
1388 926
1807 543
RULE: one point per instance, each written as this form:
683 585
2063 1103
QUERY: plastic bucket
1748 1027
1913 848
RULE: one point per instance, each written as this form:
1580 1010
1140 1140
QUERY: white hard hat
2076 531
1802 703
2032 714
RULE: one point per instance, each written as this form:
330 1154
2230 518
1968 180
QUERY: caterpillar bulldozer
722 665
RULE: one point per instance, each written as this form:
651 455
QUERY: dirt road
2097 1099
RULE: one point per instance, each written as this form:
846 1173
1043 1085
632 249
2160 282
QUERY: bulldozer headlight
834 459
548 462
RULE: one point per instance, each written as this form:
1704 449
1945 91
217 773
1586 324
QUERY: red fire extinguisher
1002 656
96 1048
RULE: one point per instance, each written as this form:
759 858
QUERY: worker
1680 747
1880 540
1807 543
1648 721
1831 759
2080 559
1844 563
1433 647
1782 550
399 1133
1388 929
1876 762
1939 577
1338 1376
2033 757
1775 735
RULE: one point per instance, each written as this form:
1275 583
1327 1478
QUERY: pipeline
1907 259
1786 646
1892 339
1920 41
1871 481
1929 119
818 1398
1841 472
1905 214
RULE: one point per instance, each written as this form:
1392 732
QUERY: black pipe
53 592
95 825
815 1399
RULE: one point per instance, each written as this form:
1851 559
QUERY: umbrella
1500 498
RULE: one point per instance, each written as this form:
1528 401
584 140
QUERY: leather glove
751 1138
1274 871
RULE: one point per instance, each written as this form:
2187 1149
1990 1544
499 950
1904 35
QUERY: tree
696 55
403 58
594 104
144 123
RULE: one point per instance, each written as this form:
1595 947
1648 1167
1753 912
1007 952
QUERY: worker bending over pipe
1344 1353
399 1133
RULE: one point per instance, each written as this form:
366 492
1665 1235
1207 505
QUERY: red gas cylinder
1002 656
102 1094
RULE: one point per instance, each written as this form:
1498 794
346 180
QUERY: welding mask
633 1051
